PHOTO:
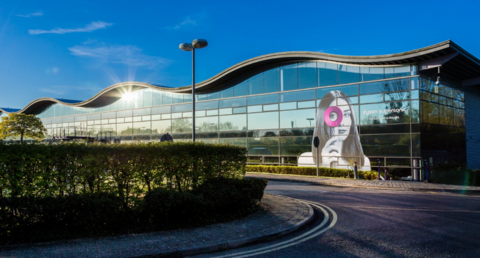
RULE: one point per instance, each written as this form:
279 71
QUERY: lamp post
310 120
197 43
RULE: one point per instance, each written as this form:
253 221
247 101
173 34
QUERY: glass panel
385 113
225 103
120 120
206 105
137 119
349 90
397 71
141 128
263 146
212 112
240 110
415 94
297 95
253 109
256 84
270 107
297 118
206 124
263 99
371 73
235 141
226 111
107 115
396 96
371 98
289 77
177 115
182 125
187 114
272 80
177 98
384 86
226 93
241 89
182 108
263 133
414 83
295 145
381 129
306 104
200 113
233 122
386 145
166 116
289 105
161 110
214 95
233 134
307 75
161 127
416 151
327 74
263 121
124 129
348 74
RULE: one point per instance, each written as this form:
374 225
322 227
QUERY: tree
22 125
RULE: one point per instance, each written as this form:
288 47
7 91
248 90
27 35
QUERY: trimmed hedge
454 174
29 219
310 171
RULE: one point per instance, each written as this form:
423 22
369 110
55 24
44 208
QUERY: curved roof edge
114 92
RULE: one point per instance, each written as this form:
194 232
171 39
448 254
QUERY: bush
310 171
34 219
454 174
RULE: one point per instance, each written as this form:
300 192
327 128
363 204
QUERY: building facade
401 110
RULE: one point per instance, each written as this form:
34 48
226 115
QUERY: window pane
256 84
233 122
307 75
371 73
289 77
263 99
177 98
124 129
327 74
212 112
295 145
241 89
233 102
253 109
182 108
263 146
297 118
289 105
348 74
226 93
397 71
226 111
182 125
141 128
270 107
384 86
349 90
207 124
386 145
297 96
371 98
166 116
242 142
272 80
385 113
240 110
396 96
263 121
161 110
162 127
306 104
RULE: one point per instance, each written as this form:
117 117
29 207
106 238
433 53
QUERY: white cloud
128 55
185 23
88 28
39 13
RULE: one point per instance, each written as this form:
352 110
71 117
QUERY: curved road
377 223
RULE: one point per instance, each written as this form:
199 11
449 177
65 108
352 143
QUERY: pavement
278 215
378 184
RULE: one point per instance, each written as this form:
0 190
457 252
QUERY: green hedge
310 171
129 170
34 219
454 174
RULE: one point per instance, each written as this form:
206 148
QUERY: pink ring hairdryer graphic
333 116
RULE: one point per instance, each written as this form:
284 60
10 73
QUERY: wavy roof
463 66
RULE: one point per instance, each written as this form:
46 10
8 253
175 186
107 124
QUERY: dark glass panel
263 99
289 77
398 162
141 138
296 132
398 173
371 73
270 160
415 128
297 96
183 136
327 74
233 134
263 133
272 80
348 74
206 135
295 145
349 90
307 75
242 142
289 160
386 145
241 89
416 150
380 129
256 84
263 146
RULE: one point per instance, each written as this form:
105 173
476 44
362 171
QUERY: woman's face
343 130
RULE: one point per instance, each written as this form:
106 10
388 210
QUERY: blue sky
73 49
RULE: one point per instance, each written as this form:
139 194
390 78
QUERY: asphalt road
377 223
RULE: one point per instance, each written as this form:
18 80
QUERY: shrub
310 171
454 174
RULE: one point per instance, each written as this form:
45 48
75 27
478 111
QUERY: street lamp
197 43
310 120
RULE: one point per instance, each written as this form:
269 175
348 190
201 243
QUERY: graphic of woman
336 128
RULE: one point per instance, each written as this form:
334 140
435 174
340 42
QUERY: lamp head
199 43
186 47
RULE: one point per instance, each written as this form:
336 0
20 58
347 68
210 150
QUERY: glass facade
389 114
